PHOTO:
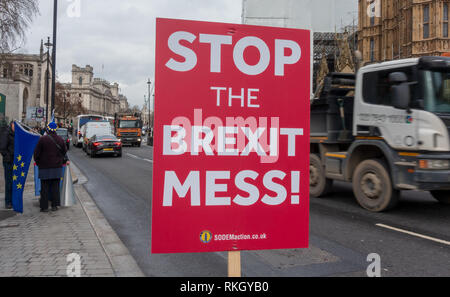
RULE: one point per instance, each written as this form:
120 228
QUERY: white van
95 128
79 122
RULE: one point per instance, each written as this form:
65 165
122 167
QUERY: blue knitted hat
52 127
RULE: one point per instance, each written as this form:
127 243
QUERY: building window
80 80
445 21
426 21
372 50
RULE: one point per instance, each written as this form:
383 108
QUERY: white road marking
414 234
139 158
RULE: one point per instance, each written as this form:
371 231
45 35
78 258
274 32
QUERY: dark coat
7 145
47 155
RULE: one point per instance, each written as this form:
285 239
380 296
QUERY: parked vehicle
64 134
95 128
128 128
104 145
78 123
385 130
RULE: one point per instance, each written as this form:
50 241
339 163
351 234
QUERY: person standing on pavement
50 156
7 151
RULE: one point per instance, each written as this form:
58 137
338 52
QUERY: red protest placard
231 153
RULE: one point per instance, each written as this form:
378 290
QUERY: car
104 145
64 134
95 128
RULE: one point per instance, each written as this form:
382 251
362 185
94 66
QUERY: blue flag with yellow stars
24 144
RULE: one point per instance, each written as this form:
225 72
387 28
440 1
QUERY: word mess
212 187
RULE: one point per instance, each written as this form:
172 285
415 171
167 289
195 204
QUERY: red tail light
117 143
96 143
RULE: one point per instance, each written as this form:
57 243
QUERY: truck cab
128 128
387 132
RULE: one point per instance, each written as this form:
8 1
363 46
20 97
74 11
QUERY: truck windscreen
436 90
129 124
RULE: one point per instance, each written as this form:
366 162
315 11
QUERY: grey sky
119 34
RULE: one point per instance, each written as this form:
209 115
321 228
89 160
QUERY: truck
384 129
128 128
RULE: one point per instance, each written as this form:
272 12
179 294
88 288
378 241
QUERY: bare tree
67 106
15 17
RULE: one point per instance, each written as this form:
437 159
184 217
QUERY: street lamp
48 45
64 108
150 131
55 22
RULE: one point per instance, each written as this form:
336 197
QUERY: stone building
98 95
123 103
394 29
23 83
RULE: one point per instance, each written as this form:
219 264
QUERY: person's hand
68 163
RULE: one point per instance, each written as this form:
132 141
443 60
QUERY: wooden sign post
234 264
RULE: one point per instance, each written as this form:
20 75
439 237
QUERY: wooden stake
234 264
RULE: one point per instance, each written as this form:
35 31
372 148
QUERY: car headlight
434 164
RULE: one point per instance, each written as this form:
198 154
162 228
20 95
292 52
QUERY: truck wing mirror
401 95
397 77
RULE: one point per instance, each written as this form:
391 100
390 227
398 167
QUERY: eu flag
24 144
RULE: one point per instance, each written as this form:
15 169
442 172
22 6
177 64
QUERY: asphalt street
412 240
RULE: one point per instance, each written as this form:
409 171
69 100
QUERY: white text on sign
217 41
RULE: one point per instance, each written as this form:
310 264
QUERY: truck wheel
441 196
319 185
373 187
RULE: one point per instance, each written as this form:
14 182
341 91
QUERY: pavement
53 244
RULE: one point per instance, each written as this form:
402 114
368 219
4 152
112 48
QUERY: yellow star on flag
19 158
19 186
15 167
22 174
14 177
22 164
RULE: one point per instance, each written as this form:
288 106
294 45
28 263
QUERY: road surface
412 240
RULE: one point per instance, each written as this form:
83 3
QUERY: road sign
231 154
2 104
35 114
